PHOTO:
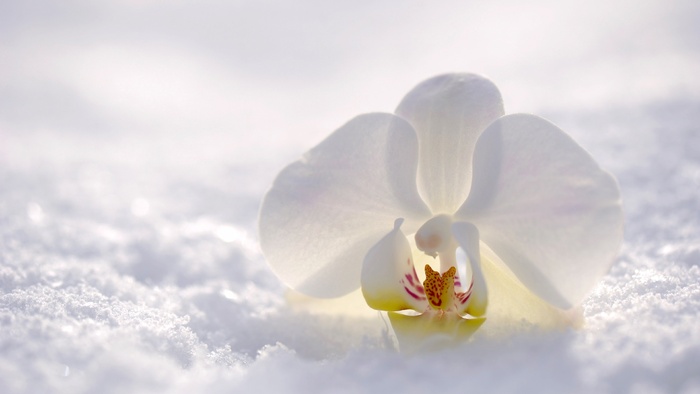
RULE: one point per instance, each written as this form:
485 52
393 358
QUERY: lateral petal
326 210
545 207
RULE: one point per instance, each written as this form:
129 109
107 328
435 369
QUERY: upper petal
545 207
449 112
326 210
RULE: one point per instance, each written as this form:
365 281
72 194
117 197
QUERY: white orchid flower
450 170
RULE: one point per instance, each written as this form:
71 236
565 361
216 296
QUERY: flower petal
432 331
545 207
512 307
389 278
352 305
449 112
326 210
475 299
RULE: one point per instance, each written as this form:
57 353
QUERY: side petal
545 207
449 112
326 210
389 278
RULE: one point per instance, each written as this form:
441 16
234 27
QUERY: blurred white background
265 80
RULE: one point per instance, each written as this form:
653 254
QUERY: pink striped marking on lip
414 295
413 280
413 288
465 296
410 279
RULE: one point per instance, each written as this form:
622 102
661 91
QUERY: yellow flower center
440 289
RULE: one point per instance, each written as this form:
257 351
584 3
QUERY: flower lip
389 279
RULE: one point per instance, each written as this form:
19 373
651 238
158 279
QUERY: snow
137 139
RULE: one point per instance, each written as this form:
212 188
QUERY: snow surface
137 139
